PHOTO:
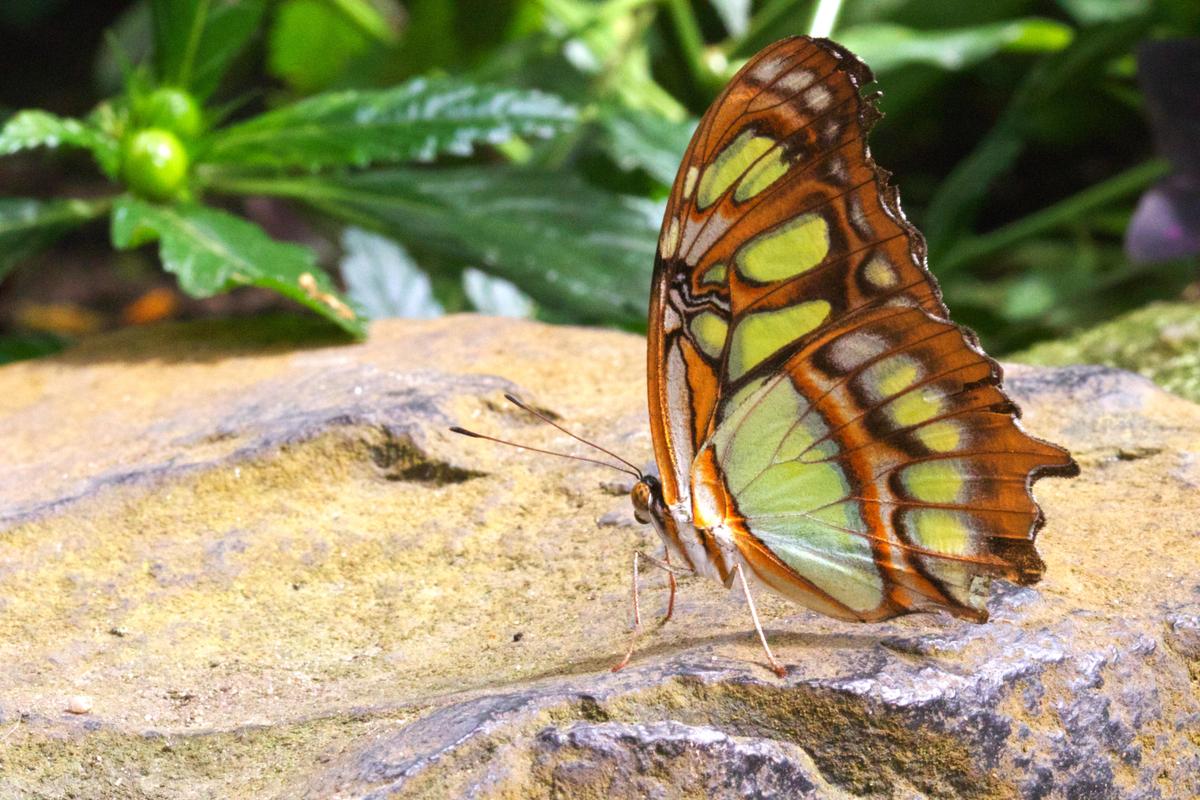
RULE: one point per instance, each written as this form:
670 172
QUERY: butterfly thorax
693 548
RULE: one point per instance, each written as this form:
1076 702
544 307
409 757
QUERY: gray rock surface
275 574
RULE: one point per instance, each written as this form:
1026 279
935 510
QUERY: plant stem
824 17
692 42
1068 210
193 44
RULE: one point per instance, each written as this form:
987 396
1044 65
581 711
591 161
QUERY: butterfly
820 426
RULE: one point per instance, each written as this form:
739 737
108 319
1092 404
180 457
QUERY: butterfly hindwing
807 392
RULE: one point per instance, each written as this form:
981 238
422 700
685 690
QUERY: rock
1160 341
80 704
321 592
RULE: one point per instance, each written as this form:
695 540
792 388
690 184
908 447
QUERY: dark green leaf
28 226
417 121
29 129
887 47
22 346
953 209
642 139
195 41
383 280
578 251
211 251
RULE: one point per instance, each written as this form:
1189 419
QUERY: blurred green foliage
534 141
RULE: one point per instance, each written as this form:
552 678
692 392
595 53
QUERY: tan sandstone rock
276 574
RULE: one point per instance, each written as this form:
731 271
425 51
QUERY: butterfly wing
809 398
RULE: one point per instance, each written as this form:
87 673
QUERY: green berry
155 164
172 109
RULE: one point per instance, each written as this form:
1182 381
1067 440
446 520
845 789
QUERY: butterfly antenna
549 421
474 435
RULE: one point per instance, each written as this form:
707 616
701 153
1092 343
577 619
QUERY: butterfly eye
641 497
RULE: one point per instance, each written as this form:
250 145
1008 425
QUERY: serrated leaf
888 47
416 121
29 129
581 253
211 251
29 226
383 280
495 296
195 41
636 138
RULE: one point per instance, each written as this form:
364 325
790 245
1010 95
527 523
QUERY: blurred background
1023 135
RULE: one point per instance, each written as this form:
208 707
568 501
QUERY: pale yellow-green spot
802 511
765 171
714 274
934 481
941 436
670 239
689 181
939 530
709 332
729 165
794 247
915 407
891 376
759 335
879 273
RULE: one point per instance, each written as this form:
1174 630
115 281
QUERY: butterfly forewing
807 392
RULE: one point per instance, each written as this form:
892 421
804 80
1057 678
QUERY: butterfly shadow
854 646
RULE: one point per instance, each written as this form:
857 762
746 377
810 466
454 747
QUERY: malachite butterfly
819 424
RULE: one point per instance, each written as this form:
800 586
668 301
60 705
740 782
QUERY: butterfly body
819 424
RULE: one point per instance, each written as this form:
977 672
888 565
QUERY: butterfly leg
737 573
637 611
671 580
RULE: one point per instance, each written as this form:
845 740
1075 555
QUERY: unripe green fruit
154 164
171 109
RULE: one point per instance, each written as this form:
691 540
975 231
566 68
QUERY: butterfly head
647 500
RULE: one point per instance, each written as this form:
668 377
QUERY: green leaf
195 41
211 251
29 226
22 346
888 47
953 208
643 139
1089 12
416 121
383 280
580 252
29 129
310 44
368 17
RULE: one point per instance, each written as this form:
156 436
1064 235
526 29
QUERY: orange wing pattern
808 397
